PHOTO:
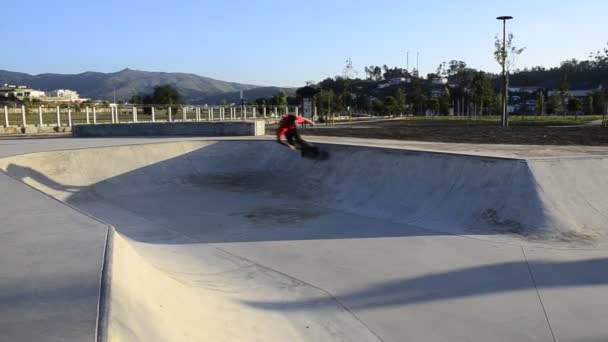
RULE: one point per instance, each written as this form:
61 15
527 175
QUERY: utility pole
505 76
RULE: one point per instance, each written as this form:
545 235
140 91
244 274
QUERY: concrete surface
203 129
374 244
50 262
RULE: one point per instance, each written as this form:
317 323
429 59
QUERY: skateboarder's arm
301 120
309 121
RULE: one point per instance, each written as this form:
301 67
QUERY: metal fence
69 116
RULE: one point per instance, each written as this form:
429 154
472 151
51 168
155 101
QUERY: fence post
170 114
134 114
185 113
58 117
223 114
153 115
314 116
210 113
40 123
23 116
264 111
276 112
69 116
254 110
88 115
112 108
297 111
95 115
5 116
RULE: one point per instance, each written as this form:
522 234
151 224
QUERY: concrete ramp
243 240
542 199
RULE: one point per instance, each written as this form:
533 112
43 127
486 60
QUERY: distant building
21 92
582 94
65 94
439 81
525 90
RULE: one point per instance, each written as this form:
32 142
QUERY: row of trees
161 95
561 103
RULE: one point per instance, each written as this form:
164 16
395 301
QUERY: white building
65 94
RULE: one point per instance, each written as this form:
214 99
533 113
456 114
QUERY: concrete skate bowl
193 218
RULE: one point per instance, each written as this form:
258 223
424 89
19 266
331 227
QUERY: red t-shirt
285 126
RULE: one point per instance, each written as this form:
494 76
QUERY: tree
167 95
401 100
599 103
280 99
540 103
574 105
374 73
556 104
600 57
445 102
509 55
260 101
589 105
482 91
390 105
377 106
137 99
434 105
348 74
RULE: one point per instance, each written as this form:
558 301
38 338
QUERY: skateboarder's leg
291 138
299 141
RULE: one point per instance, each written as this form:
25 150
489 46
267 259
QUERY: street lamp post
505 77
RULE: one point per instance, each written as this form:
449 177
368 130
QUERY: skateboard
314 152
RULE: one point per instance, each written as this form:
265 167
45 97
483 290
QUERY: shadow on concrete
23 172
462 283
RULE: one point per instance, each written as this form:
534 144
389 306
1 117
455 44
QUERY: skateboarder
288 128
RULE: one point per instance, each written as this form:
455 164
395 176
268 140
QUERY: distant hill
249 95
126 83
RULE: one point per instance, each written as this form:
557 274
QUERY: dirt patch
473 132
273 183
281 216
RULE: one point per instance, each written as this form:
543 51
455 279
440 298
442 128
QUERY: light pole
505 77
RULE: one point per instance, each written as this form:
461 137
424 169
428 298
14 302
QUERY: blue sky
287 43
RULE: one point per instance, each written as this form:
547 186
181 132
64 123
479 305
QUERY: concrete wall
205 129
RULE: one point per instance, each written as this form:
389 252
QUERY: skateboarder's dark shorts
293 137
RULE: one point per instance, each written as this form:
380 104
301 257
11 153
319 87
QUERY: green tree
445 102
556 104
482 91
509 55
280 98
374 73
166 95
401 101
327 102
589 105
540 103
137 99
574 105
377 106
390 104
434 105
599 103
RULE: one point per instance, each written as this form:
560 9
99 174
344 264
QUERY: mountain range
126 83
